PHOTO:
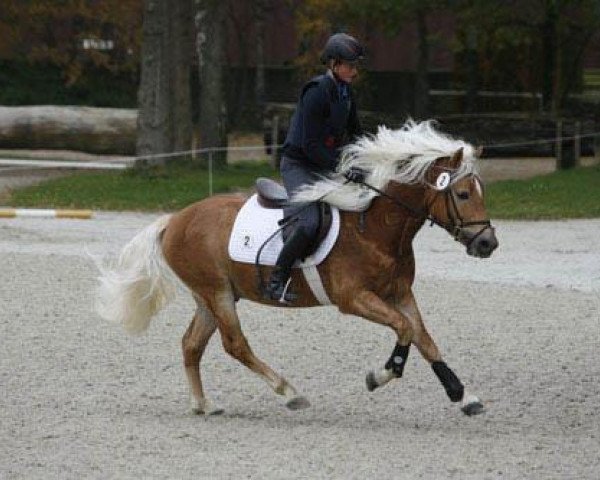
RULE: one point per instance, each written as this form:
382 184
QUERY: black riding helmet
344 47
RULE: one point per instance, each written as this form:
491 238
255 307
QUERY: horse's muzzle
481 243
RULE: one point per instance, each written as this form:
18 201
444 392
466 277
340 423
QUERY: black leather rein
457 224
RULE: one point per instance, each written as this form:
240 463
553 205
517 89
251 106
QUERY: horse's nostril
486 245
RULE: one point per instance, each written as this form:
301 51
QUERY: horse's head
456 202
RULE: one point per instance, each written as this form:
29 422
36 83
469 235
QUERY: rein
457 224
454 228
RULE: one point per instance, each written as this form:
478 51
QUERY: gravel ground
80 399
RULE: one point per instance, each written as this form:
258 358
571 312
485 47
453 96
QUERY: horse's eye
463 195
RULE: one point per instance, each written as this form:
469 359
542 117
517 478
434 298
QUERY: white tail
139 284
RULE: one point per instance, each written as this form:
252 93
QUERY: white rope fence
542 141
210 152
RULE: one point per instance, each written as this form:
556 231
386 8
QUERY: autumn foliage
57 33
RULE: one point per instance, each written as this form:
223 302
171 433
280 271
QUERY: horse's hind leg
237 346
193 343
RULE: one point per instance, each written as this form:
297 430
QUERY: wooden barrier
54 127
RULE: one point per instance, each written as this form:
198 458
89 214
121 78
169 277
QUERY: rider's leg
294 248
295 175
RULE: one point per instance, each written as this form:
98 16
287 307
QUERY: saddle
272 195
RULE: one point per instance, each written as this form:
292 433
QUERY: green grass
563 194
591 79
156 189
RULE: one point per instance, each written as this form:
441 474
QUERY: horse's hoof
297 403
206 409
371 382
208 412
213 411
471 405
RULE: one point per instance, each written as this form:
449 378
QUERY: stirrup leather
279 289
286 296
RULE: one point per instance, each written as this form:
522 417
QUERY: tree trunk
210 23
422 79
164 122
182 28
241 96
260 7
472 60
153 94
549 49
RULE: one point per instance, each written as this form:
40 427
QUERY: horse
414 174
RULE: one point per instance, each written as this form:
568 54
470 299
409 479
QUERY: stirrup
281 293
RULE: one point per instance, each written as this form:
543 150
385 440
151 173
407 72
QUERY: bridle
456 225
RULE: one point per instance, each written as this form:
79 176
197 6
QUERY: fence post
557 143
565 147
210 173
577 144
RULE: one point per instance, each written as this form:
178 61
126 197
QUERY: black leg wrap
450 381
398 359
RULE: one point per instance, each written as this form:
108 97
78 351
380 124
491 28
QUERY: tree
72 35
422 72
260 11
535 45
210 44
572 24
164 120
247 26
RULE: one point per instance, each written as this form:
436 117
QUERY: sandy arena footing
80 399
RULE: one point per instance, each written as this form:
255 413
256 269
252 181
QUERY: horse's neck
394 226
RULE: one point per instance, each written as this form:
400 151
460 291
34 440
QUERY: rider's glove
355 174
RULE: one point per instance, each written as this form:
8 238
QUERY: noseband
456 225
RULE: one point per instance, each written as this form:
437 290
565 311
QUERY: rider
325 119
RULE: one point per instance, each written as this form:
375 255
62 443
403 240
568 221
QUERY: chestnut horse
415 174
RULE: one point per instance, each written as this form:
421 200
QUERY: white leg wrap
289 392
469 399
470 404
383 376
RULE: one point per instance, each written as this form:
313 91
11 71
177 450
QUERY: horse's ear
456 158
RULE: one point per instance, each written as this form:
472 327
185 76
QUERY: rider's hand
355 174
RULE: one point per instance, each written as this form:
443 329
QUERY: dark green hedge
22 83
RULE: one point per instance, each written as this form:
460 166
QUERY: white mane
402 155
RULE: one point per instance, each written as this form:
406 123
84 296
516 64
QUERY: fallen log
87 129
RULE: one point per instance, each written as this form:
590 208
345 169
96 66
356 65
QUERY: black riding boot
294 248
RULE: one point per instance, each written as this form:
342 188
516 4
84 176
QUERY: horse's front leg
455 390
370 306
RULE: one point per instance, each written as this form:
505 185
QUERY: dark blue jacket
325 119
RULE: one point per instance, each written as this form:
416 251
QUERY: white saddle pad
254 224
